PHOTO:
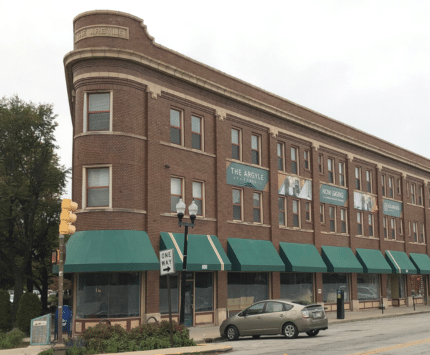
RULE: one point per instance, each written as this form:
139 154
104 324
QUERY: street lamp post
180 209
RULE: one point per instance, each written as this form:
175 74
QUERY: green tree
31 184
28 309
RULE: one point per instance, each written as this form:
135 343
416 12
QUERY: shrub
12 339
5 311
29 307
47 352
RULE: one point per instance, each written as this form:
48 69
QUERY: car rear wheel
290 331
313 332
232 333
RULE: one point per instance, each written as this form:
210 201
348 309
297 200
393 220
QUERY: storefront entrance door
189 302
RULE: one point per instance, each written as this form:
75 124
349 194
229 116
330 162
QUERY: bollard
340 304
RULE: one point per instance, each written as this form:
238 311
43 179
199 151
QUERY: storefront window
331 284
396 286
368 287
174 294
204 291
297 287
108 295
417 285
246 288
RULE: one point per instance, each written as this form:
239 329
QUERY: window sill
297 229
394 240
249 223
417 243
335 233
248 164
178 146
366 237
412 204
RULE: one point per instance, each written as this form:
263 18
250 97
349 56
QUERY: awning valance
340 259
373 261
109 250
301 258
399 262
421 262
204 252
253 255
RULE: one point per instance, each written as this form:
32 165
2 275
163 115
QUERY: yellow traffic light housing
67 217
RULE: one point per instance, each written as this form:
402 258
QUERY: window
235 143
390 187
383 185
297 286
281 208
175 192
198 196
296 219
99 112
401 226
330 165
306 158
359 223
237 205
250 284
407 188
175 127
384 222
413 194
196 133
422 235
255 149
369 180
393 228
332 216
98 187
256 203
420 195
343 220
308 211
370 224
280 151
320 163
174 293
399 191
357 178
322 213
414 231
294 162
204 291
342 174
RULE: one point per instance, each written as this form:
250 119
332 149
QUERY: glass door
189 304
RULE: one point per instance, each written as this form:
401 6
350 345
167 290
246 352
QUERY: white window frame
298 213
260 207
258 148
202 131
84 185
239 138
203 195
181 119
241 204
85 118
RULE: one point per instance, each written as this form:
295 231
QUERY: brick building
291 204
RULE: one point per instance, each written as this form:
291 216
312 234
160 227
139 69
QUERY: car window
255 309
287 307
272 307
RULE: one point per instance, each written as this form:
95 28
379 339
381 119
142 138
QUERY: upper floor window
322 213
237 204
306 159
420 195
175 126
343 220
98 187
359 223
393 228
308 211
422 235
332 216
399 190
413 194
357 178
294 160
370 224
330 166
401 226
281 208
296 216
198 195
414 231
256 205
320 163
99 112
383 185
369 180
196 133
384 224
235 143
176 187
390 187
255 149
280 153
342 174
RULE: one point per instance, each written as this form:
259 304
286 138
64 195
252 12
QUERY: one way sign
167 262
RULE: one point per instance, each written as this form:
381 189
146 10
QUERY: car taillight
305 313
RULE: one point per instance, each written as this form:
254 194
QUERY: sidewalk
208 337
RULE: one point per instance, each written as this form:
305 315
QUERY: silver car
275 317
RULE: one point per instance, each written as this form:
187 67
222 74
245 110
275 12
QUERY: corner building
291 204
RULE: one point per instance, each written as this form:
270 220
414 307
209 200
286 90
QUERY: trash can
67 321
340 304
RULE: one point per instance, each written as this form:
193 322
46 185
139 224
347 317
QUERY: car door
274 316
249 322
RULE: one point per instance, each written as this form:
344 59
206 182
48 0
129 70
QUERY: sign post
167 267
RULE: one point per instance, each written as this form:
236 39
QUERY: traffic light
67 217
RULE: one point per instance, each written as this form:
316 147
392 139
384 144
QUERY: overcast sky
364 63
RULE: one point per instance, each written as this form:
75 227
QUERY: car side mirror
242 314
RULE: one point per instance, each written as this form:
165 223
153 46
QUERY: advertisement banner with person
365 202
295 187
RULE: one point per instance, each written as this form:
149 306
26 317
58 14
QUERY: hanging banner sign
244 175
333 195
392 208
294 186
365 202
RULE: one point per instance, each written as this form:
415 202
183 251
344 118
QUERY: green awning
204 252
421 262
301 258
109 250
340 259
253 255
373 261
399 262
